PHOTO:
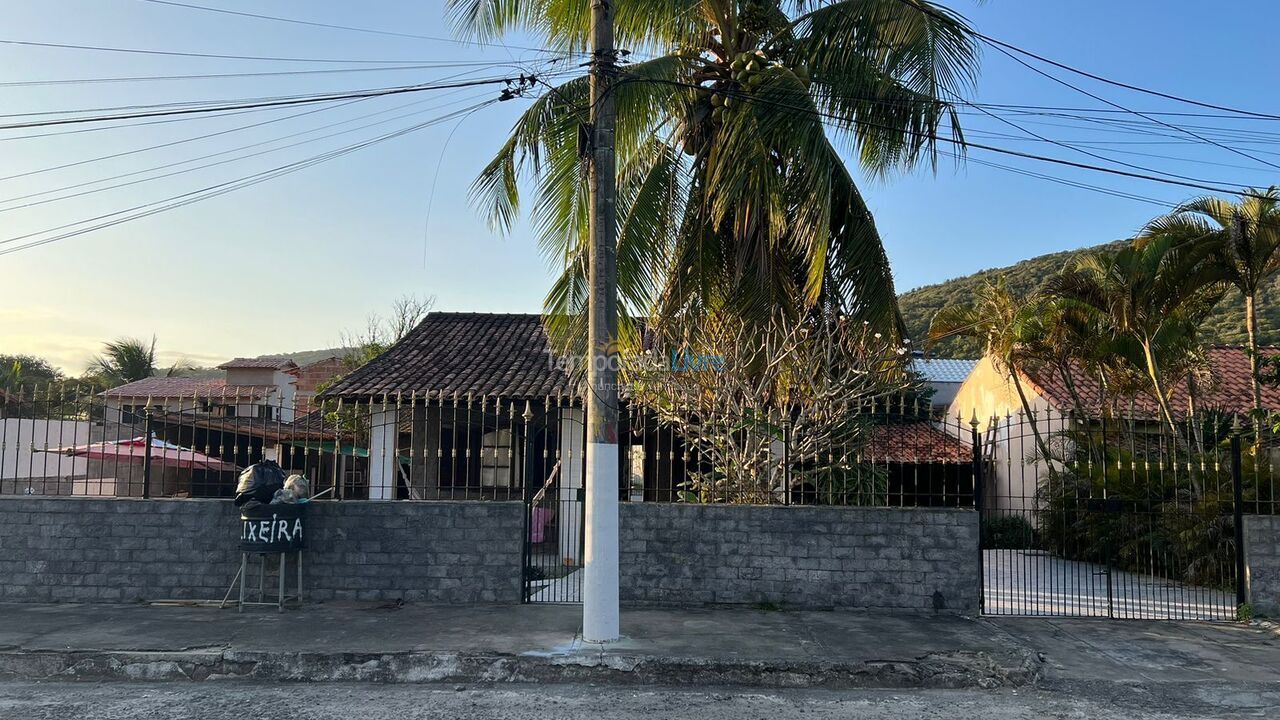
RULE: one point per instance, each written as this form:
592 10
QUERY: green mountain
1225 325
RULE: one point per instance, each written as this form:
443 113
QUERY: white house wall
572 477
989 394
19 456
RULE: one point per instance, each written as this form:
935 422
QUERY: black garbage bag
259 482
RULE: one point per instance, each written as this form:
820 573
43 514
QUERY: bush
1007 532
1151 508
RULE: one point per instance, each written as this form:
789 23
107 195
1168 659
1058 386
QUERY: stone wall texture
877 558
1262 556
123 550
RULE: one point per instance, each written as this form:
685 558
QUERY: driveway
1032 582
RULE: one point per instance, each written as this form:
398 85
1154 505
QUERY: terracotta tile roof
1228 391
313 429
484 354
262 363
915 442
174 387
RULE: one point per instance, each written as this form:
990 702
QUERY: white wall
18 460
572 473
989 393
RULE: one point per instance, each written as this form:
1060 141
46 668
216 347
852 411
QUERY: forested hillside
1226 325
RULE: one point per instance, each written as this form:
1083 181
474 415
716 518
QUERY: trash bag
259 482
300 486
296 489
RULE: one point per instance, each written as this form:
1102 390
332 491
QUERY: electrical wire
223 153
916 5
176 201
222 76
215 56
331 26
196 138
962 143
283 102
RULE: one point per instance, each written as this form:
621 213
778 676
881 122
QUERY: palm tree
1149 299
732 195
1247 235
1009 330
128 360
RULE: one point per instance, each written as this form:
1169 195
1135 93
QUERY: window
499 463
130 415
266 412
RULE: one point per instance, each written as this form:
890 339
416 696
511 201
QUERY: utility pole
600 573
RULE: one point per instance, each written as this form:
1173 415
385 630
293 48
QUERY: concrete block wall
1262 558
123 550
798 557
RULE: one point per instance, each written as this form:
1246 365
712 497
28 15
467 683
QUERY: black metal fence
1116 517
69 440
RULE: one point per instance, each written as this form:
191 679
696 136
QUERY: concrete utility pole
600 573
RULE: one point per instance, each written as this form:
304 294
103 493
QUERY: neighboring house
989 395
260 408
264 388
311 376
943 375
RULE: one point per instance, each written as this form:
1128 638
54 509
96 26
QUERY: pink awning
135 449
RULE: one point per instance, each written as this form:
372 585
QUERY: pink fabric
538 524
167 454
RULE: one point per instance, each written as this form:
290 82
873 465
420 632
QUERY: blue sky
291 263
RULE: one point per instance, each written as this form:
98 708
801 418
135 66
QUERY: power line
916 5
331 26
1145 117
221 76
216 56
963 143
222 153
380 92
176 201
196 138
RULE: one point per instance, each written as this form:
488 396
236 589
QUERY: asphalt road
222 700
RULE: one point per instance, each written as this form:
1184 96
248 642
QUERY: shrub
1008 532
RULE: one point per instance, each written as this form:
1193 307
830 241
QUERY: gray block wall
122 550
1262 558
878 558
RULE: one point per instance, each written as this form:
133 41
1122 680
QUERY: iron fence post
1237 501
148 432
786 461
976 442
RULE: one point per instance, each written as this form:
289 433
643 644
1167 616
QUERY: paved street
130 701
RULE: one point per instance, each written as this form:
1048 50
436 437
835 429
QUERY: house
989 394
473 405
943 375
260 408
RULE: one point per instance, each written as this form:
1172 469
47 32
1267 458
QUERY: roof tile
448 353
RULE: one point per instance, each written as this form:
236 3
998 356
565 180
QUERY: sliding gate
1110 519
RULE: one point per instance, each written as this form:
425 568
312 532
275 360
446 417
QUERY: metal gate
555 515
1111 518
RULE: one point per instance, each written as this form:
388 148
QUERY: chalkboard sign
273 528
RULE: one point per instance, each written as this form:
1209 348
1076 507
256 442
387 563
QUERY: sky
292 263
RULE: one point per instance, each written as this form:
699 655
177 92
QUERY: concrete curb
936 670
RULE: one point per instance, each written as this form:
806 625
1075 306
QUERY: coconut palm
127 360
1148 298
732 195
1247 235
1009 329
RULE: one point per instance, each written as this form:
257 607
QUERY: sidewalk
539 643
